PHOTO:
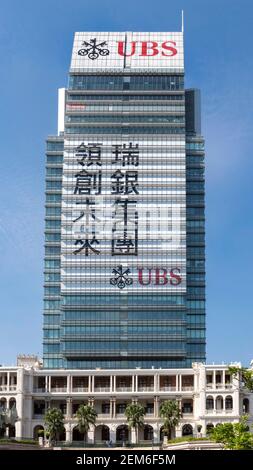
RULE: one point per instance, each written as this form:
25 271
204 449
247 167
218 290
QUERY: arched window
219 403
78 436
38 431
209 403
122 433
209 427
148 433
229 403
12 403
187 430
245 405
102 433
3 403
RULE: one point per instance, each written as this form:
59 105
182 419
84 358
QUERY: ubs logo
94 50
146 277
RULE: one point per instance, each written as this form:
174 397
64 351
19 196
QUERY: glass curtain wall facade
124 233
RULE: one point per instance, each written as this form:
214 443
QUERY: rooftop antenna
182 21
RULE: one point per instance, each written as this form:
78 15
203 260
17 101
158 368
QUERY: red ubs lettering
159 276
147 48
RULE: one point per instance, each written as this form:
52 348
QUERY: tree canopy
171 414
86 415
244 375
54 420
135 414
235 436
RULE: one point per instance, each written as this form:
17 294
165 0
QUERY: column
46 383
68 433
69 408
113 435
157 406
91 401
49 383
133 383
180 383
136 383
114 408
214 379
111 407
236 402
111 384
156 433
114 383
223 378
195 382
29 416
20 403
177 383
90 436
47 404
8 381
157 383
214 404
178 431
133 436
68 384
89 384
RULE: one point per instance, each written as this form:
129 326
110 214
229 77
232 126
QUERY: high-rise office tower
124 254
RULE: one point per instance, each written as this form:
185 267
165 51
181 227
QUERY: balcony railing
219 386
5 388
58 389
80 389
102 389
219 412
123 389
145 388
38 415
103 416
167 388
39 389
187 388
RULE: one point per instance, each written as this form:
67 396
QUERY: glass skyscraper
125 223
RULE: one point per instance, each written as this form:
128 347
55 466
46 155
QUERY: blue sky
35 47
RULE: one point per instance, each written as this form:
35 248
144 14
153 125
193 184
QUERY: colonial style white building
207 395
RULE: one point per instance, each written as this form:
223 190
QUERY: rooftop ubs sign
94 49
127 50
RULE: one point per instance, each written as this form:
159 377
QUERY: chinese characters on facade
123 185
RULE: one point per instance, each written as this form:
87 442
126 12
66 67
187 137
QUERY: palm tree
86 415
54 421
171 414
135 413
